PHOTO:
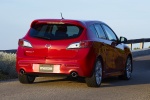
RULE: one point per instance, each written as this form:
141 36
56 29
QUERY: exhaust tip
74 74
22 72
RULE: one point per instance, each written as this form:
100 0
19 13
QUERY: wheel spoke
128 68
98 72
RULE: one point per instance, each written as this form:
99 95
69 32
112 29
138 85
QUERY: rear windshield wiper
41 37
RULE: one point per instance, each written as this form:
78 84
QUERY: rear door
59 44
52 40
38 42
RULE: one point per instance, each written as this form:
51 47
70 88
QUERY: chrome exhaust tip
74 74
22 72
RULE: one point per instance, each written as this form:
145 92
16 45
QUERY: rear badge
48 46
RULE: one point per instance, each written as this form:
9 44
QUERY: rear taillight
81 44
24 43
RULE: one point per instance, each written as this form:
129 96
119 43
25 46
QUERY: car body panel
57 58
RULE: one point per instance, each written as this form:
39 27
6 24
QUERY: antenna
61 16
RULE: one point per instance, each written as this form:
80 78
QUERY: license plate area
46 68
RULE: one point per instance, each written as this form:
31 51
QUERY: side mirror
123 40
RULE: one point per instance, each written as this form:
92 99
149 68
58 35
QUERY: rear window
55 31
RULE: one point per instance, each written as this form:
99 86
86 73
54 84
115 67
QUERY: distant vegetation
136 48
7 65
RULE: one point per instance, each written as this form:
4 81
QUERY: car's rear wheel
26 79
128 69
96 79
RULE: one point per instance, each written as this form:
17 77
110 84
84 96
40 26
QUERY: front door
116 56
108 54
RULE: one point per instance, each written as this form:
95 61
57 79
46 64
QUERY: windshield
55 31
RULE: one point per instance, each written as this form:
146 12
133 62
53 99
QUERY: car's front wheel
96 79
128 69
26 79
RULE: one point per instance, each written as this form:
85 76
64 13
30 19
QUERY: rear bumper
83 67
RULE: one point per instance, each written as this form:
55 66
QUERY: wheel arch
101 58
102 61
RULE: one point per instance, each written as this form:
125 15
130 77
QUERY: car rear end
55 47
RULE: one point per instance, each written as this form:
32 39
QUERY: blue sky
129 18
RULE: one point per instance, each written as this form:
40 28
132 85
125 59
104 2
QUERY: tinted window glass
111 35
100 31
92 28
55 31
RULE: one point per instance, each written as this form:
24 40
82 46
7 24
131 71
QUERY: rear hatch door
52 39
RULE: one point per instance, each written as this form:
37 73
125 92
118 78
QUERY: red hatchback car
88 49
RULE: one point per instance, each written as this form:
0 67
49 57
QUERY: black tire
128 70
26 79
96 79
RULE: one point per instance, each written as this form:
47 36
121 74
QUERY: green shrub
8 64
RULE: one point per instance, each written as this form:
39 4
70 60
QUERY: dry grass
7 65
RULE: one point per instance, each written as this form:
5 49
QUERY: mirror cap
123 39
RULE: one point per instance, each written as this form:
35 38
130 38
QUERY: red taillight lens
85 44
20 42
81 44
24 43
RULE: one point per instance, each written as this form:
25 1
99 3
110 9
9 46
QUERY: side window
100 31
111 35
92 28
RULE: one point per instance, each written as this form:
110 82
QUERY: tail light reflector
81 44
24 43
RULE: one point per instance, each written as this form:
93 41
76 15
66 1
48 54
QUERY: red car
88 49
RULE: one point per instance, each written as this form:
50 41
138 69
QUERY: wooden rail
141 41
